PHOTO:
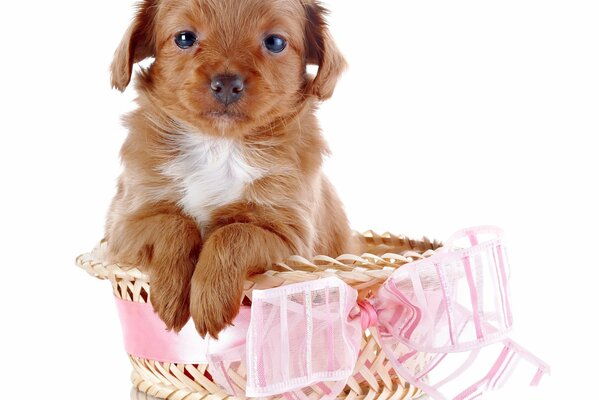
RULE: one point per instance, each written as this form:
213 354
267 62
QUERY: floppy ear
137 44
322 51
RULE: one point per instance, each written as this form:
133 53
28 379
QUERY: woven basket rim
371 264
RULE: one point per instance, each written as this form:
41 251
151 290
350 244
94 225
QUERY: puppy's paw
214 309
171 302
216 292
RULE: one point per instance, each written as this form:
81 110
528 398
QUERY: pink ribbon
146 336
442 321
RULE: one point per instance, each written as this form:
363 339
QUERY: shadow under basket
373 376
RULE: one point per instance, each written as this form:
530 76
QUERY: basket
373 376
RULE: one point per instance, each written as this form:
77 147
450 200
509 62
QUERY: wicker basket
373 376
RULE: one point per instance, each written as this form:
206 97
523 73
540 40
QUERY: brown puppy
222 166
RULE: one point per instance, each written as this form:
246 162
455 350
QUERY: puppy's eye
186 39
275 43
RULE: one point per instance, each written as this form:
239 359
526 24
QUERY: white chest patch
210 172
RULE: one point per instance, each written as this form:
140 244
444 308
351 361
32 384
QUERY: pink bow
442 322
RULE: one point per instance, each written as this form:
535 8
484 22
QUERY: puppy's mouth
225 116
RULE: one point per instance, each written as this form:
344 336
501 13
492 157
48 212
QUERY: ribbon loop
301 335
453 310
455 300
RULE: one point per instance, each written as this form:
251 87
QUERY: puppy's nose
227 88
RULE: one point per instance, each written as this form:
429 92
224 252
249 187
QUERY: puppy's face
227 67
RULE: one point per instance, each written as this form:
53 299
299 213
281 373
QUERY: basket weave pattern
373 376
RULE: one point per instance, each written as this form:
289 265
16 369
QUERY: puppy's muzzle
227 88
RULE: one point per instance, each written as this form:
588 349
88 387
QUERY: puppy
222 165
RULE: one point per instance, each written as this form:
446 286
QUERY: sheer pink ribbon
441 321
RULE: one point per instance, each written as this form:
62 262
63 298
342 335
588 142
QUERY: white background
453 113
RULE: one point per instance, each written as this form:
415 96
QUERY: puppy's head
229 66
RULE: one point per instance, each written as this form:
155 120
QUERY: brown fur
293 209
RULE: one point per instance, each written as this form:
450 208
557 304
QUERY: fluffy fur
209 171
212 193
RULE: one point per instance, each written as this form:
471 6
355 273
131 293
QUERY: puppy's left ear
322 51
137 44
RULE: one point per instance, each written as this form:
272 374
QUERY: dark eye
185 39
275 43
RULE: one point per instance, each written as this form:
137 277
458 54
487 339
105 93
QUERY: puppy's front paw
171 302
216 292
213 310
165 244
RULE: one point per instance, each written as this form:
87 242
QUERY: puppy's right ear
137 44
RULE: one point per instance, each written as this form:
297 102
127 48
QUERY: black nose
227 88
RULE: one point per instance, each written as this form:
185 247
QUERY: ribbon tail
465 375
